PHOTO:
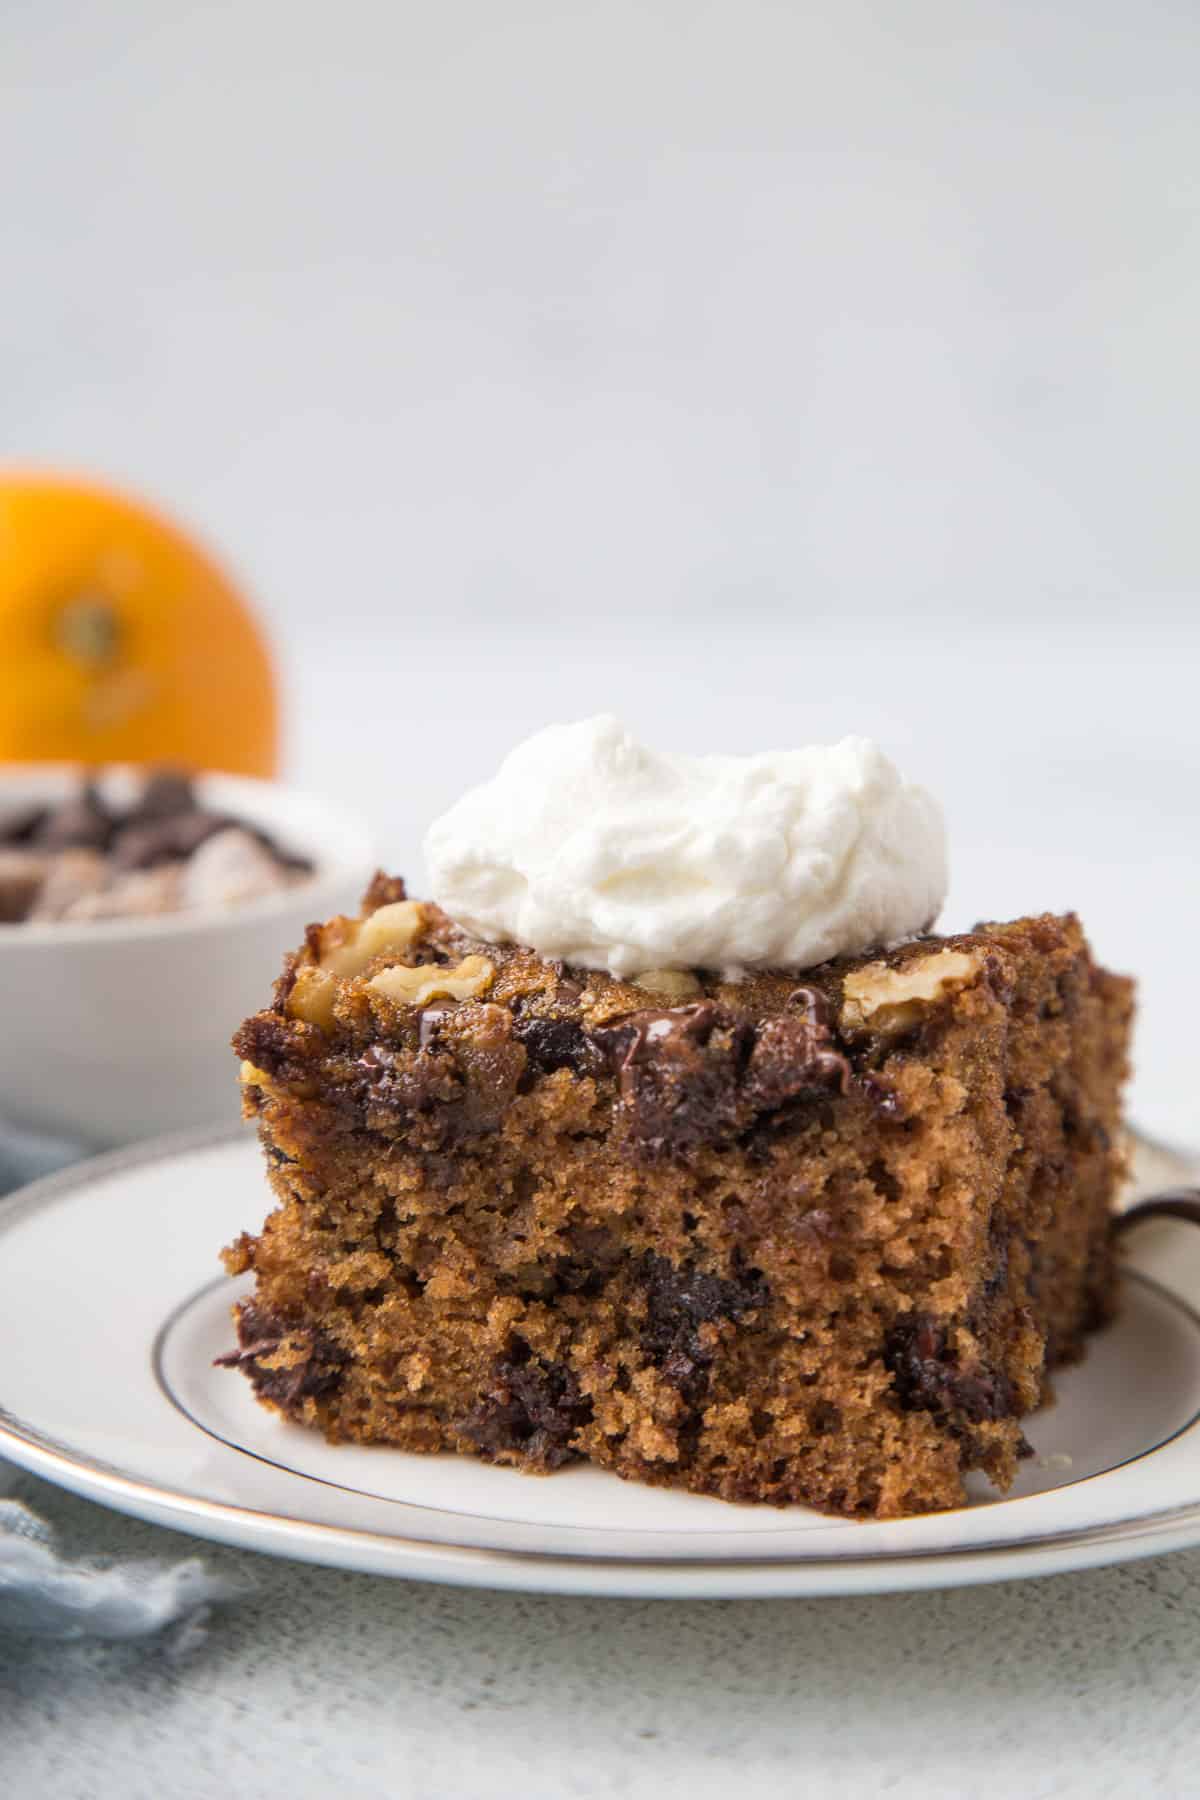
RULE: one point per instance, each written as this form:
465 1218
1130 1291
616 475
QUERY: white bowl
120 1029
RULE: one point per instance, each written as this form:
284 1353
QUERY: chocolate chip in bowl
163 851
139 914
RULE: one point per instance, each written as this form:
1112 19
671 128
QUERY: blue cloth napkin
42 1594
24 1155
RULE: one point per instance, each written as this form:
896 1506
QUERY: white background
582 312
759 371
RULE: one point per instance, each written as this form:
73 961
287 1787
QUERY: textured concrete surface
318 1683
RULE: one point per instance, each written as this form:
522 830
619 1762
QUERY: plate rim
400 1554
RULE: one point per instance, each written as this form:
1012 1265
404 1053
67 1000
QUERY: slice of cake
770 1239
674 1140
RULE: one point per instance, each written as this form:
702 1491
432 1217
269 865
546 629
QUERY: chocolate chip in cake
915 1354
796 1054
552 1044
313 1365
429 1030
533 1407
927 1377
884 1099
678 1301
697 1075
677 1072
426 1092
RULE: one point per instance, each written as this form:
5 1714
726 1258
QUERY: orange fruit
121 640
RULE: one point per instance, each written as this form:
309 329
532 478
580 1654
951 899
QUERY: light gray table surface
319 1683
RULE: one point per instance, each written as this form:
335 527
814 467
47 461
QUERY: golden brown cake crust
785 1239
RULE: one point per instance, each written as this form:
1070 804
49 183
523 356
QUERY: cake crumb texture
811 1239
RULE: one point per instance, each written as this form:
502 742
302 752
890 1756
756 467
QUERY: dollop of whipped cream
589 847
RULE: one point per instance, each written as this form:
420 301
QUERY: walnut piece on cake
788 1239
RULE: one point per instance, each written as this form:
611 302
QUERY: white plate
112 1310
